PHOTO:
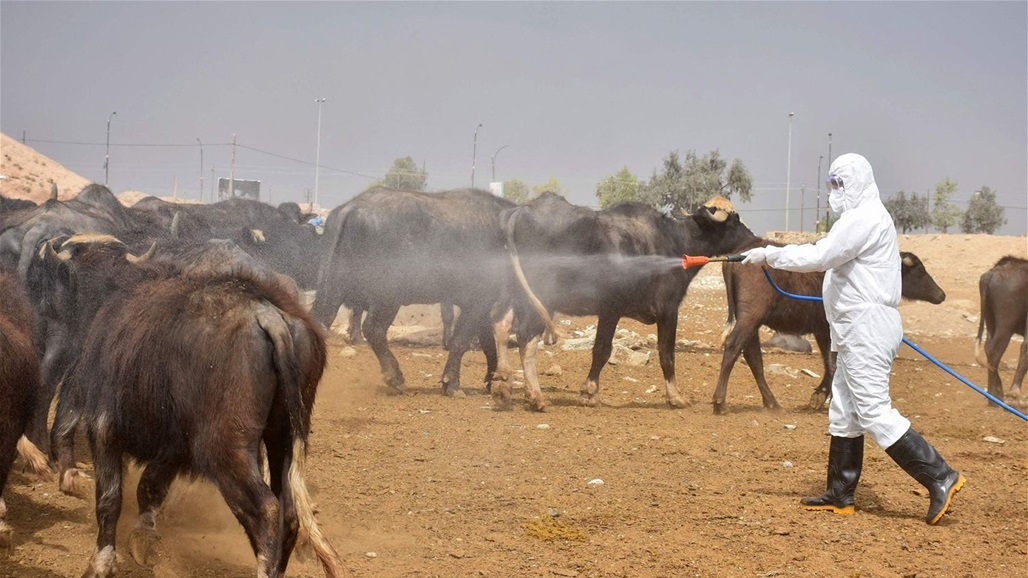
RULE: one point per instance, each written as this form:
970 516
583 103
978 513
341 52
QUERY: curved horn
145 256
48 253
53 191
176 224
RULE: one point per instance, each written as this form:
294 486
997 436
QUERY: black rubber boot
845 460
924 463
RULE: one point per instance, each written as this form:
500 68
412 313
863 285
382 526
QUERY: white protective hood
858 183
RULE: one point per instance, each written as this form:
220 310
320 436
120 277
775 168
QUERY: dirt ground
422 485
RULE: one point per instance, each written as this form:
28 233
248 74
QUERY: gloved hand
756 256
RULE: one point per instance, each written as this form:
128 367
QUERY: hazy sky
925 90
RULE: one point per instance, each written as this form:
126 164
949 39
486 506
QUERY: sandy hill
27 174
30 175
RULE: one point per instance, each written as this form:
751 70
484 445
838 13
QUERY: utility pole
201 170
817 211
317 154
474 151
212 185
788 173
107 155
232 171
803 193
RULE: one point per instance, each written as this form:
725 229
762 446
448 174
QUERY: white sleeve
841 245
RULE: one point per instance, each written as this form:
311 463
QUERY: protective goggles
834 183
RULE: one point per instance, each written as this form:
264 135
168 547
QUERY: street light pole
817 212
494 160
474 151
107 154
201 169
788 174
317 154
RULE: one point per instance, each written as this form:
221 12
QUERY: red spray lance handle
699 261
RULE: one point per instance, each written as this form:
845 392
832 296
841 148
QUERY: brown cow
753 302
1004 302
19 380
188 373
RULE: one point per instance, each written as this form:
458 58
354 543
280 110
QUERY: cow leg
734 344
823 392
602 346
6 532
995 346
667 329
1022 368
107 466
56 359
62 445
8 448
254 505
503 319
380 317
154 484
280 455
468 323
446 312
751 352
528 347
355 326
489 349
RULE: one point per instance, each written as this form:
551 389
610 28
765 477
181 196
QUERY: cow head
917 283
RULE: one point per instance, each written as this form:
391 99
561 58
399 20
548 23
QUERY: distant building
240 188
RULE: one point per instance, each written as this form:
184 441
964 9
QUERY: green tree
618 187
689 185
945 213
552 185
404 175
908 213
983 214
516 191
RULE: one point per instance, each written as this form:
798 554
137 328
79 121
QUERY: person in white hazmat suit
860 256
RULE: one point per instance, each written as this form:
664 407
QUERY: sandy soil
422 485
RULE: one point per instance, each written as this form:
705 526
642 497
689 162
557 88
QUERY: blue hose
991 397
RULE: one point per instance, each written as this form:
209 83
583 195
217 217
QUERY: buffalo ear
145 256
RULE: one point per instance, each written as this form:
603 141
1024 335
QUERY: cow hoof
587 400
677 402
502 396
6 536
817 400
720 409
457 393
72 482
143 546
538 405
773 407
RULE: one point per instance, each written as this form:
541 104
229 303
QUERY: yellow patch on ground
549 529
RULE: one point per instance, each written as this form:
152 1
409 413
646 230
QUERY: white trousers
860 389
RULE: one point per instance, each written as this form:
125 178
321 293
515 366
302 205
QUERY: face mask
835 201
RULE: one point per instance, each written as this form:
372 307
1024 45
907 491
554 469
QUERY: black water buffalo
387 248
624 261
9 204
187 374
95 210
19 377
272 235
1004 313
752 302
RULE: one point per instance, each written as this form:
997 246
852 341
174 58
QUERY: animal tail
983 292
34 457
290 380
726 272
520 274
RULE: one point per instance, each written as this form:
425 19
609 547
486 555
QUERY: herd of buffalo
177 335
